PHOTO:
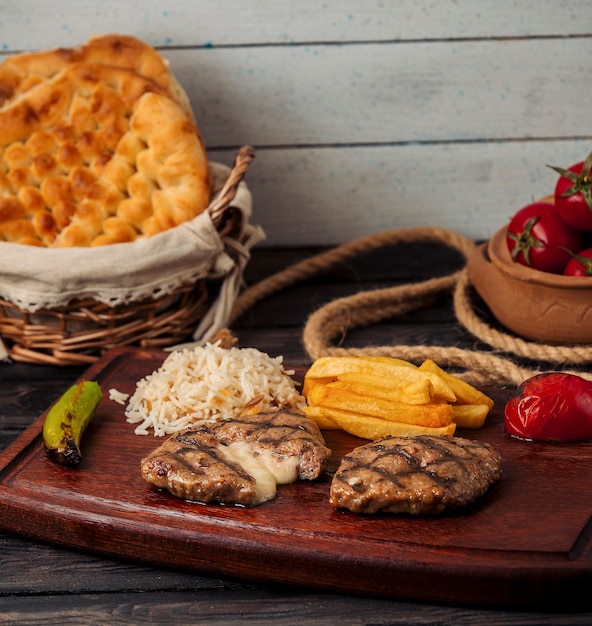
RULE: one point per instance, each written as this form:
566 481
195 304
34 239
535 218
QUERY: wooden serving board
527 542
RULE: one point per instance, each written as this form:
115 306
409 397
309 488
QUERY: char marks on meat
415 475
239 460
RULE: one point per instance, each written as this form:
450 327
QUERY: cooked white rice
118 396
208 383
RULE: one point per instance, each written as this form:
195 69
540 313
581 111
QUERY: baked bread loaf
94 154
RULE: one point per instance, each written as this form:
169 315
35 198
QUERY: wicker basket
82 331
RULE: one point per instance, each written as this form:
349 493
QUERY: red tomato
573 194
551 407
580 264
539 238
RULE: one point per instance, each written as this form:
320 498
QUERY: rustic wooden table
43 584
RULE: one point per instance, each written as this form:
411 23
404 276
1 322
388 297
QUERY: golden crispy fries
470 415
386 367
367 427
375 396
412 389
320 417
443 391
430 415
465 393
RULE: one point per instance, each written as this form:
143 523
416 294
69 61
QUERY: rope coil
334 319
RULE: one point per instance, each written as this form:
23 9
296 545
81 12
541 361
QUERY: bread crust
21 72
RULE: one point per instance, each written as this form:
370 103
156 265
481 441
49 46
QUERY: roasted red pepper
551 407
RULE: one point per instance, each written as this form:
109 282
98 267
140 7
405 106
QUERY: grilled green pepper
67 420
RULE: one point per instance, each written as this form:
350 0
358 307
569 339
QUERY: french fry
310 382
430 415
321 418
470 415
332 366
367 427
412 389
443 391
465 393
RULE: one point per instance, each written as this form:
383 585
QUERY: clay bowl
549 308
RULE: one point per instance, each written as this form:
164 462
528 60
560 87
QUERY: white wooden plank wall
365 116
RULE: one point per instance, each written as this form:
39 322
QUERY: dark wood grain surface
44 584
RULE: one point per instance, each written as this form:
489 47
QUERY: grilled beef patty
416 475
239 460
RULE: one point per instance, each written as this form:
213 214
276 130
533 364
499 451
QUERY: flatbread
95 154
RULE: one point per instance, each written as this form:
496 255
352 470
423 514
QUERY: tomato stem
525 241
584 261
582 183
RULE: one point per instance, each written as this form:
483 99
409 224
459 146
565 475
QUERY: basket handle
241 164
